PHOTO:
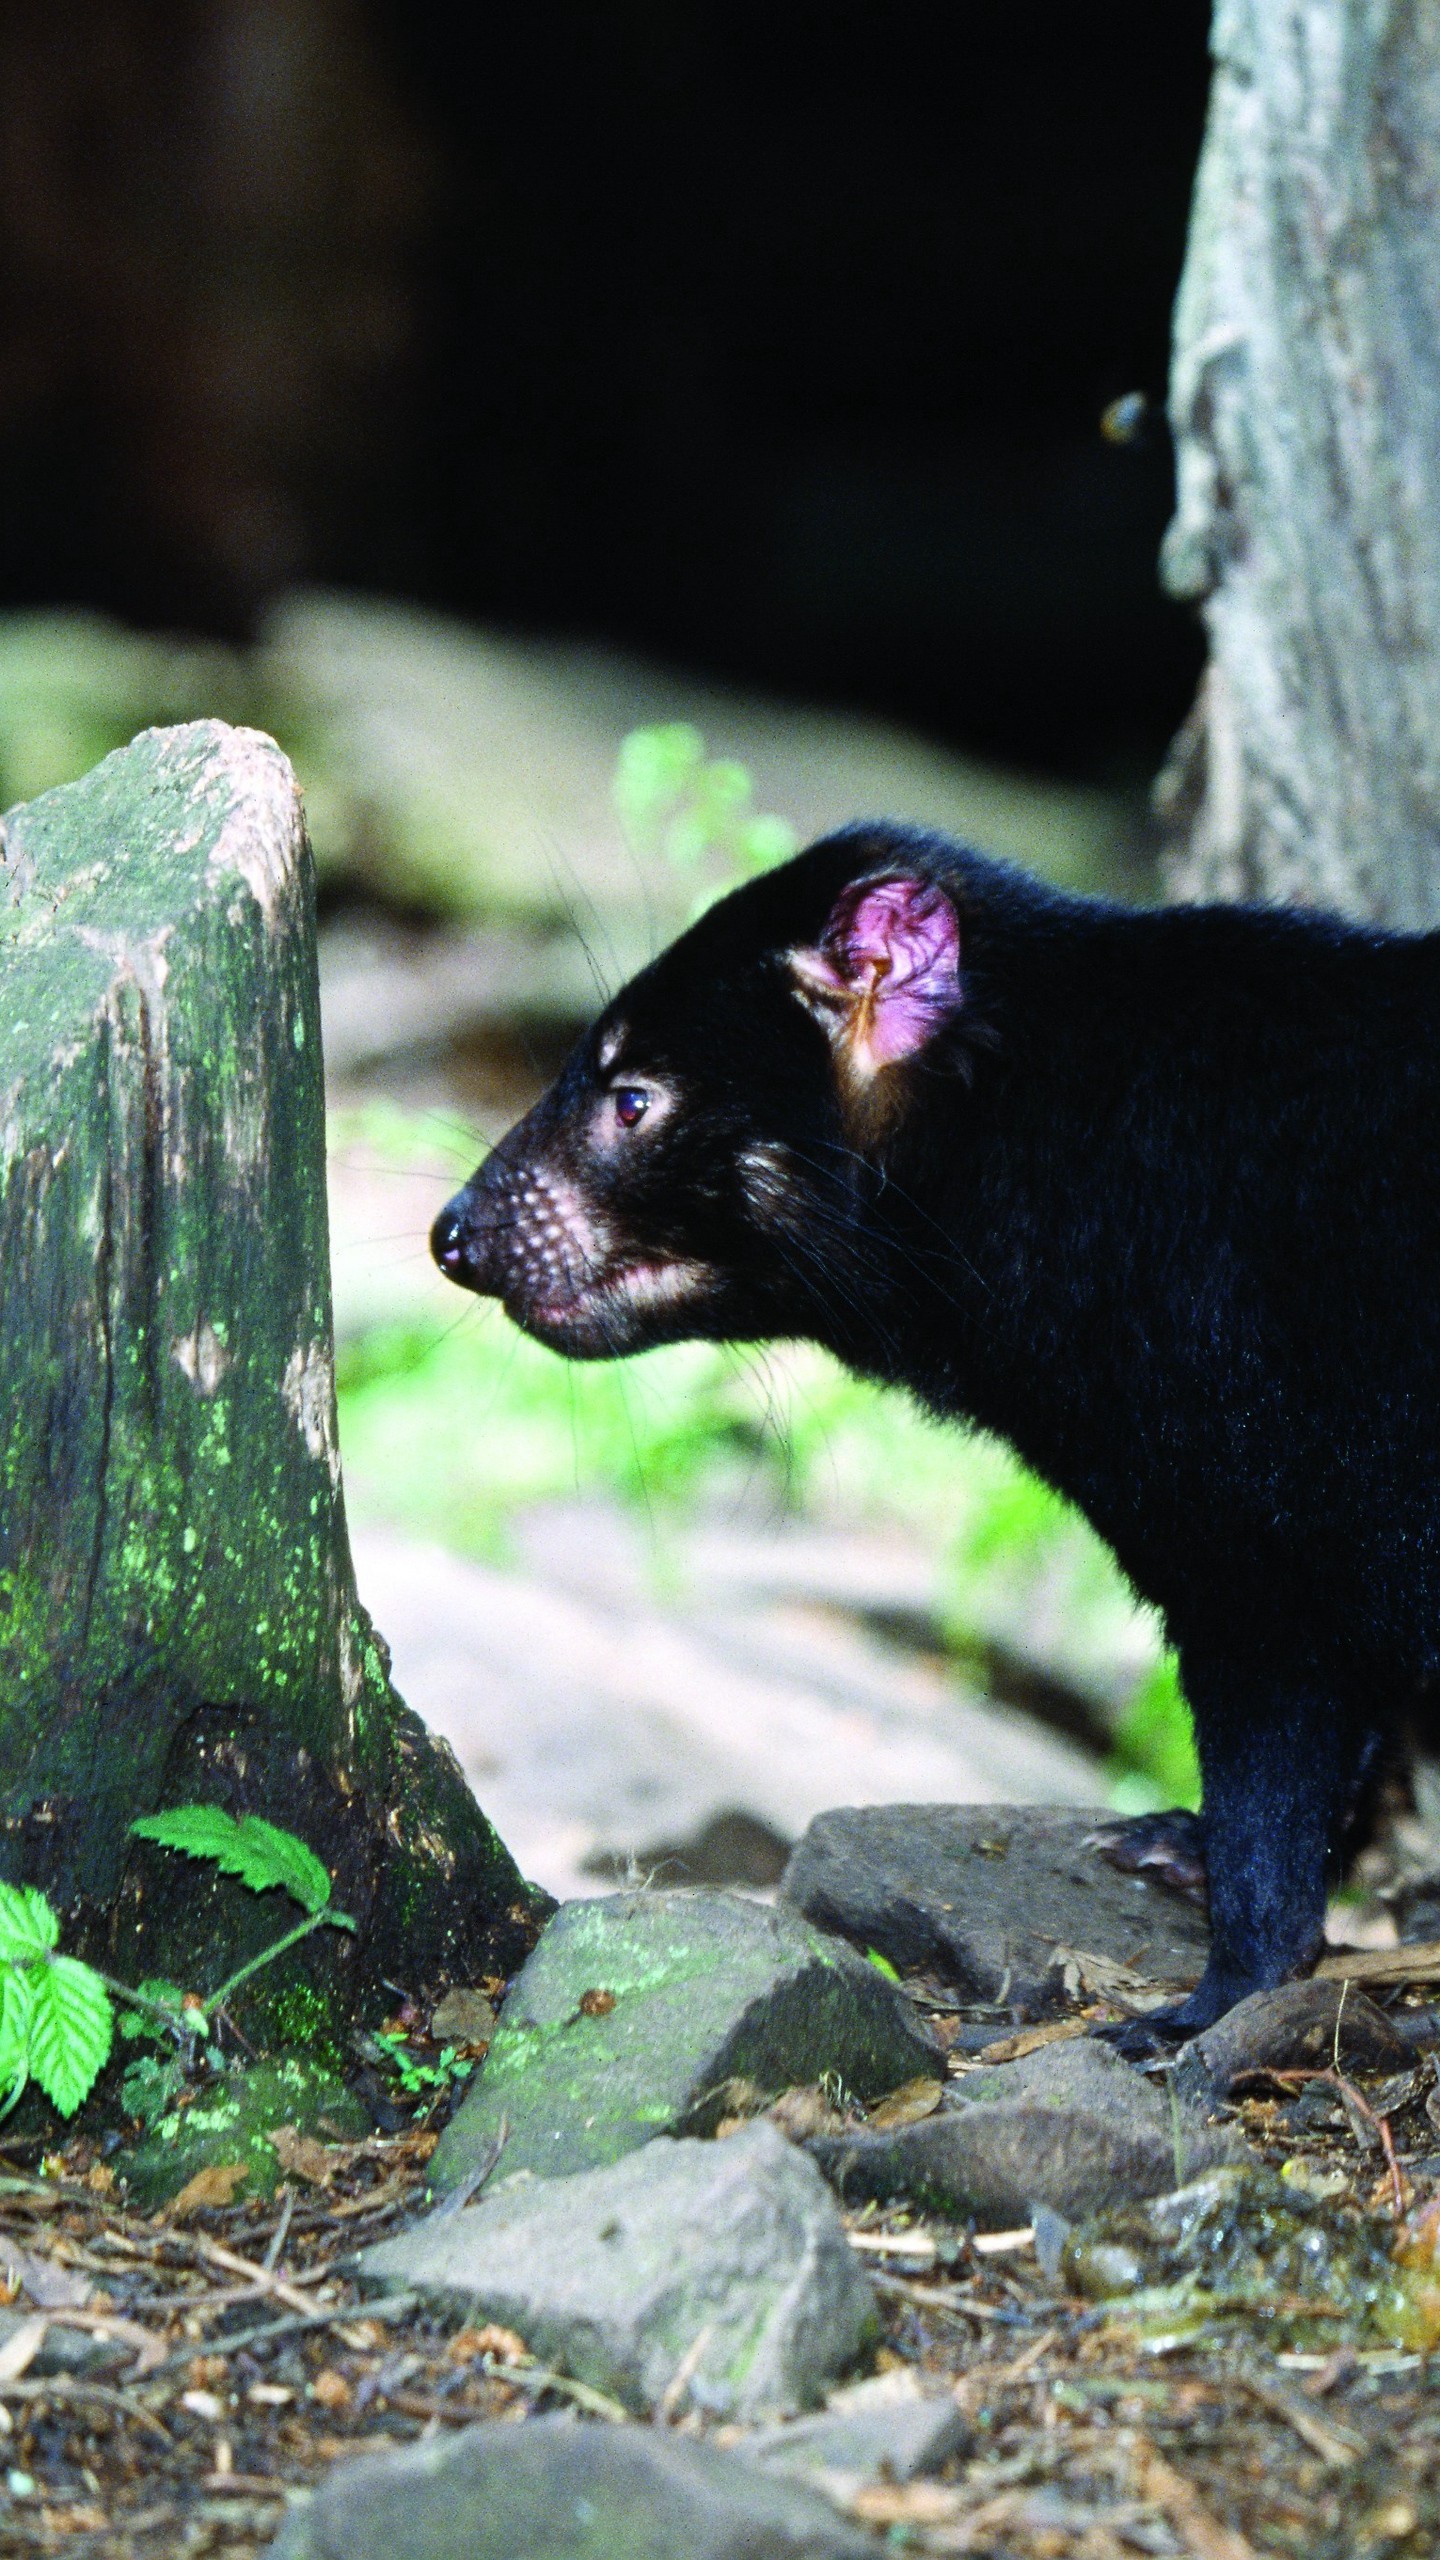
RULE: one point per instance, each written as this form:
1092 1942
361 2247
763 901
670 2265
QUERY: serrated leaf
70 2030
258 1852
16 2007
28 1926
201 1830
293 1865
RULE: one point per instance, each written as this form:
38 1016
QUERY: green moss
182 1610
229 2125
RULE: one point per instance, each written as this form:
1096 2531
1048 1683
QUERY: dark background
772 339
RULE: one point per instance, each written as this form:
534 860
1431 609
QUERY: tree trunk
178 1618
1305 402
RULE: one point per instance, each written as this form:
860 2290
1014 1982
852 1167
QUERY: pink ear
887 971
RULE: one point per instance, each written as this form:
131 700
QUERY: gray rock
554 2490
63 2349
887 2427
1070 2129
710 2274
1301 2026
997 1898
637 2011
1082 2072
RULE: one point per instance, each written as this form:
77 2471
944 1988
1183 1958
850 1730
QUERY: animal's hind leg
1284 1765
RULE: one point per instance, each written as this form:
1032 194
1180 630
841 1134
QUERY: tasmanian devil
1155 1196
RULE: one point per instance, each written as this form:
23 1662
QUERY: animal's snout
462 1240
524 1232
447 1240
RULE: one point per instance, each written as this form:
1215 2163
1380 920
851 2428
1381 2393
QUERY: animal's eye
631 1105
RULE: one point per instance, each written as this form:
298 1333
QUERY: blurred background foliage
607 450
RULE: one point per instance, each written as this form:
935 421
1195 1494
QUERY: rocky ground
745 2241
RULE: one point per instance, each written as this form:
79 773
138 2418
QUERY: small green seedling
390 2050
57 2023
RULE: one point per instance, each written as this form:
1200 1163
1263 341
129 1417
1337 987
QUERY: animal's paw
1170 1847
1147 2039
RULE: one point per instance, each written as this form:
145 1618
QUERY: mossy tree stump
178 1616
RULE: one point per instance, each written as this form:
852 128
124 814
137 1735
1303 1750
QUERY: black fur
1160 1204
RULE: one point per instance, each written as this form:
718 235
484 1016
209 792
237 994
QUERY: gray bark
1305 402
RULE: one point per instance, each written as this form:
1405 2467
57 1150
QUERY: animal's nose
447 1240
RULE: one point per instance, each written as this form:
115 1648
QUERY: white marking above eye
611 1046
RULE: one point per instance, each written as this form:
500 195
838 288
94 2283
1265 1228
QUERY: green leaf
70 2030
155 1987
168 1996
882 1964
149 2088
258 1852
28 1926
16 2008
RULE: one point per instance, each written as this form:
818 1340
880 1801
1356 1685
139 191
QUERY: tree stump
1305 403
178 1615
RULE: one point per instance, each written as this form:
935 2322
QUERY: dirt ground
229 2357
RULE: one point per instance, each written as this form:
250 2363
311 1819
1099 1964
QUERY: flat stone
712 2275
637 2012
887 2427
1083 2071
997 1899
1298 2027
555 2490
1068 2130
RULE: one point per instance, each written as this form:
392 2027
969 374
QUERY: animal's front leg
1281 1761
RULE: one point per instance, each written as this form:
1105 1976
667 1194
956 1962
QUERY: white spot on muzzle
561 1233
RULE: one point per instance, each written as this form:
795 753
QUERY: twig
1350 2096
222 2297
64 2386
685 2372
242 2484
261 2277
392 2191
280 2234
1335 2445
394 2306
537 2377
1207 2537
938 2297
1392 1966
484 2169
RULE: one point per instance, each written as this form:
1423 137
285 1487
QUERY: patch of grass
451 1432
